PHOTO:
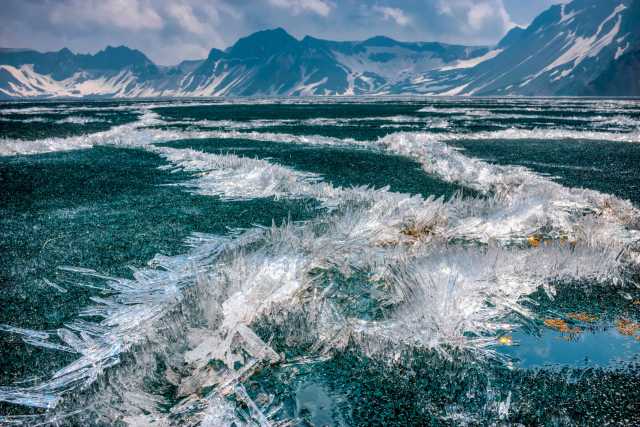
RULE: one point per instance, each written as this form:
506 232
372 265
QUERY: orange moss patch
534 241
416 232
627 327
564 240
388 243
561 326
506 340
582 317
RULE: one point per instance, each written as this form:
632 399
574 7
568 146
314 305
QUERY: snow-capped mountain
268 62
115 71
274 63
586 47
567 50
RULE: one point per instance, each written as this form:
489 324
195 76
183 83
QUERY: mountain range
585 47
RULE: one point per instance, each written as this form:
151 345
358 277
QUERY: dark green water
607 166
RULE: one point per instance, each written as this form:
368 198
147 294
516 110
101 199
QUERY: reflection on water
600 347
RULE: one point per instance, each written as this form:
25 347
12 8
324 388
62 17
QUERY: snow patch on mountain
583 48
620 51
394 62
470 63
25 82
455 91
567 16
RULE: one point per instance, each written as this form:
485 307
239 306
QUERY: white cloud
171 30
477 14
133 15
183 13
393 14
319 7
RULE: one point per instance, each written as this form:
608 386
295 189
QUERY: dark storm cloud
171 30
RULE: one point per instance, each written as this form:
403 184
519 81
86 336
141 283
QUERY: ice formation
445 276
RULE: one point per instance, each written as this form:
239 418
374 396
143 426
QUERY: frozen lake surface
325 261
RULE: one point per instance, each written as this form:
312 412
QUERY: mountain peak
512 36
118 57
278 30
215 54
263 44
121 48
382 41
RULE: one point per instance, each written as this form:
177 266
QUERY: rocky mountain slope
563 52
586 47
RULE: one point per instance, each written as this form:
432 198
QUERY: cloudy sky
169 31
